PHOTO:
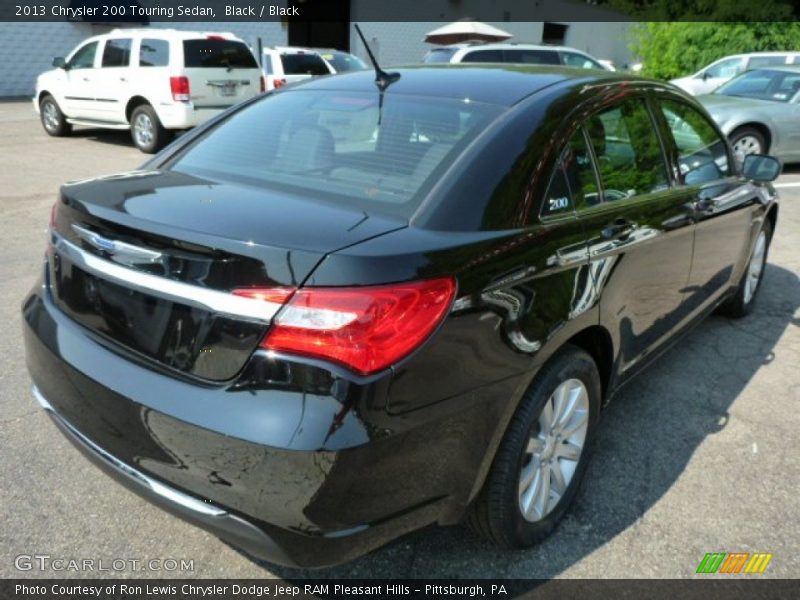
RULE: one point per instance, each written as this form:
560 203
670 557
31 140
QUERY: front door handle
619 229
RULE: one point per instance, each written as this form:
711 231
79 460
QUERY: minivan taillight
365 329
180 88
276 83
263 83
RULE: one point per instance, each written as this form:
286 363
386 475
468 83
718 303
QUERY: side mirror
60 63
704 76
760 167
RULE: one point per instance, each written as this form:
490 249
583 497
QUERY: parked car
339 61
513 53
284 65
711 77
759 111
151 81
396 305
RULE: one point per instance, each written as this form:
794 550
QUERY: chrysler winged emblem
120 252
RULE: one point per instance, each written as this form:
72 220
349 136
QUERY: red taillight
276 83
180 88
277 295
366 329
263 84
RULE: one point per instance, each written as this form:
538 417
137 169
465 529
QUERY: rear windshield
214 53
439 55
340 146
304 64
344 62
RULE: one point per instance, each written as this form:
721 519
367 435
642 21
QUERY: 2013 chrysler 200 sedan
344 311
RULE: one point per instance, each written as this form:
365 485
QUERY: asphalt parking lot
700 454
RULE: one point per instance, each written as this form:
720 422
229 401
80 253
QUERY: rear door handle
618 229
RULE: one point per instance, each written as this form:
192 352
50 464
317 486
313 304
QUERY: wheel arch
759 126
133 103
772 217
596 341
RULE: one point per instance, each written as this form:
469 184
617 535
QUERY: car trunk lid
150 260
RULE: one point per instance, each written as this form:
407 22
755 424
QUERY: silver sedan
759 111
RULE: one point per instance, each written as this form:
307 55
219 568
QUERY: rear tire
536 473
53 120
744 300
146 130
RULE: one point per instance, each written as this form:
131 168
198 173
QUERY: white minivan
151 81
709 78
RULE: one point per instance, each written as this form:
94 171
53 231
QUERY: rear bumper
306 469
185 115
206 515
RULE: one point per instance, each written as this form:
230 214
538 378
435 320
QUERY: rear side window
304 64
343 62
756 62
117 53
572 59
217 53
341 147
531 57
629 156
702 154
483 56
154 53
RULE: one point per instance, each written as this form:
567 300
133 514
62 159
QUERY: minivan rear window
439 55
341 147
304 64
217 53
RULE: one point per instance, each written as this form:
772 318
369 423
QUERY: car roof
502 84
156 32
523 46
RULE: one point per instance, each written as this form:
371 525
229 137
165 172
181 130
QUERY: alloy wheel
554 450
747 144
143 130
50 115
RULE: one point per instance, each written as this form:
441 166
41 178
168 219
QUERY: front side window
725 68
84 57
765 61
628 152
340 147
763 84
702 154
154 53
117 53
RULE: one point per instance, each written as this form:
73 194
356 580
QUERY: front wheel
743 301
542 458
53 120
748 140
146 130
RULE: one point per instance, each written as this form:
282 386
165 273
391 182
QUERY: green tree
675 49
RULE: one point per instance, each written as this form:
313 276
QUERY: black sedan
341 312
